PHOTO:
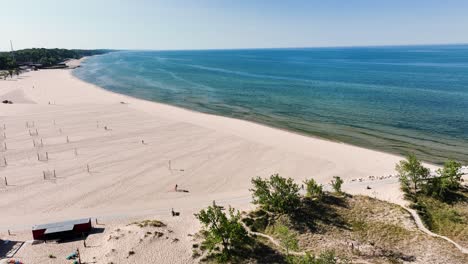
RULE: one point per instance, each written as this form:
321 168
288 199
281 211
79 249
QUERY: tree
223 230
7 61
276 195
436 187
47 57
412 173
452 172
313 189
288 239
336 184
448 179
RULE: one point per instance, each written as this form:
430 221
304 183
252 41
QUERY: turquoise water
394 99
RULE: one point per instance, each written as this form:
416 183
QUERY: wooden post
55 176
43 172
6 182
87 167
47 155
38 156
42 144
79 255
68 140
4 159
84 239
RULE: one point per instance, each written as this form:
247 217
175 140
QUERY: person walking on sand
175 188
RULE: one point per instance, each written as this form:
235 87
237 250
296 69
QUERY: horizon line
267 48
304 47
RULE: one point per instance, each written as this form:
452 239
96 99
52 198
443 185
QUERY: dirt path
272 240
421 227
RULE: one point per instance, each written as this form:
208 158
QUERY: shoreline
383 138
285 130
219 155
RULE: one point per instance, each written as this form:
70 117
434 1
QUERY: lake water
394 99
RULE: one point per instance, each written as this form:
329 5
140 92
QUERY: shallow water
394 99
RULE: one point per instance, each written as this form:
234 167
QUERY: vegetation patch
441 200
149 223
447 219
319 227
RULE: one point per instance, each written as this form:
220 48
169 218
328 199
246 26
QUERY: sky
218 24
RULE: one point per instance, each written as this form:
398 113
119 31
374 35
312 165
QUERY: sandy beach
75 150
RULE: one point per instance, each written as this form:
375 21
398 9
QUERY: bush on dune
276 194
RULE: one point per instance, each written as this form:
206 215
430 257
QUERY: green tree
336 184
452 172
436 187
287 238
223 230
7 61
313 189
448 179
412 174
277 194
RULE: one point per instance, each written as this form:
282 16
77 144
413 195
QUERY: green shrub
223 230
336 184
277 194
313 189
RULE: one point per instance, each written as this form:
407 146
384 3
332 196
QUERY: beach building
64 229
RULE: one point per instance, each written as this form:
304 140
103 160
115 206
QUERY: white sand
211 156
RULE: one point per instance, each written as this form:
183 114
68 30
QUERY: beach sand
137 151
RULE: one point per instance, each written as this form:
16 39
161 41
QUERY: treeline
46 57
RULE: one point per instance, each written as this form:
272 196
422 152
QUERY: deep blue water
395 99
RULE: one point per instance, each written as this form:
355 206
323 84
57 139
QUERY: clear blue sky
205 24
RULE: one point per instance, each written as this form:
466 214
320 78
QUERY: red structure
61 230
